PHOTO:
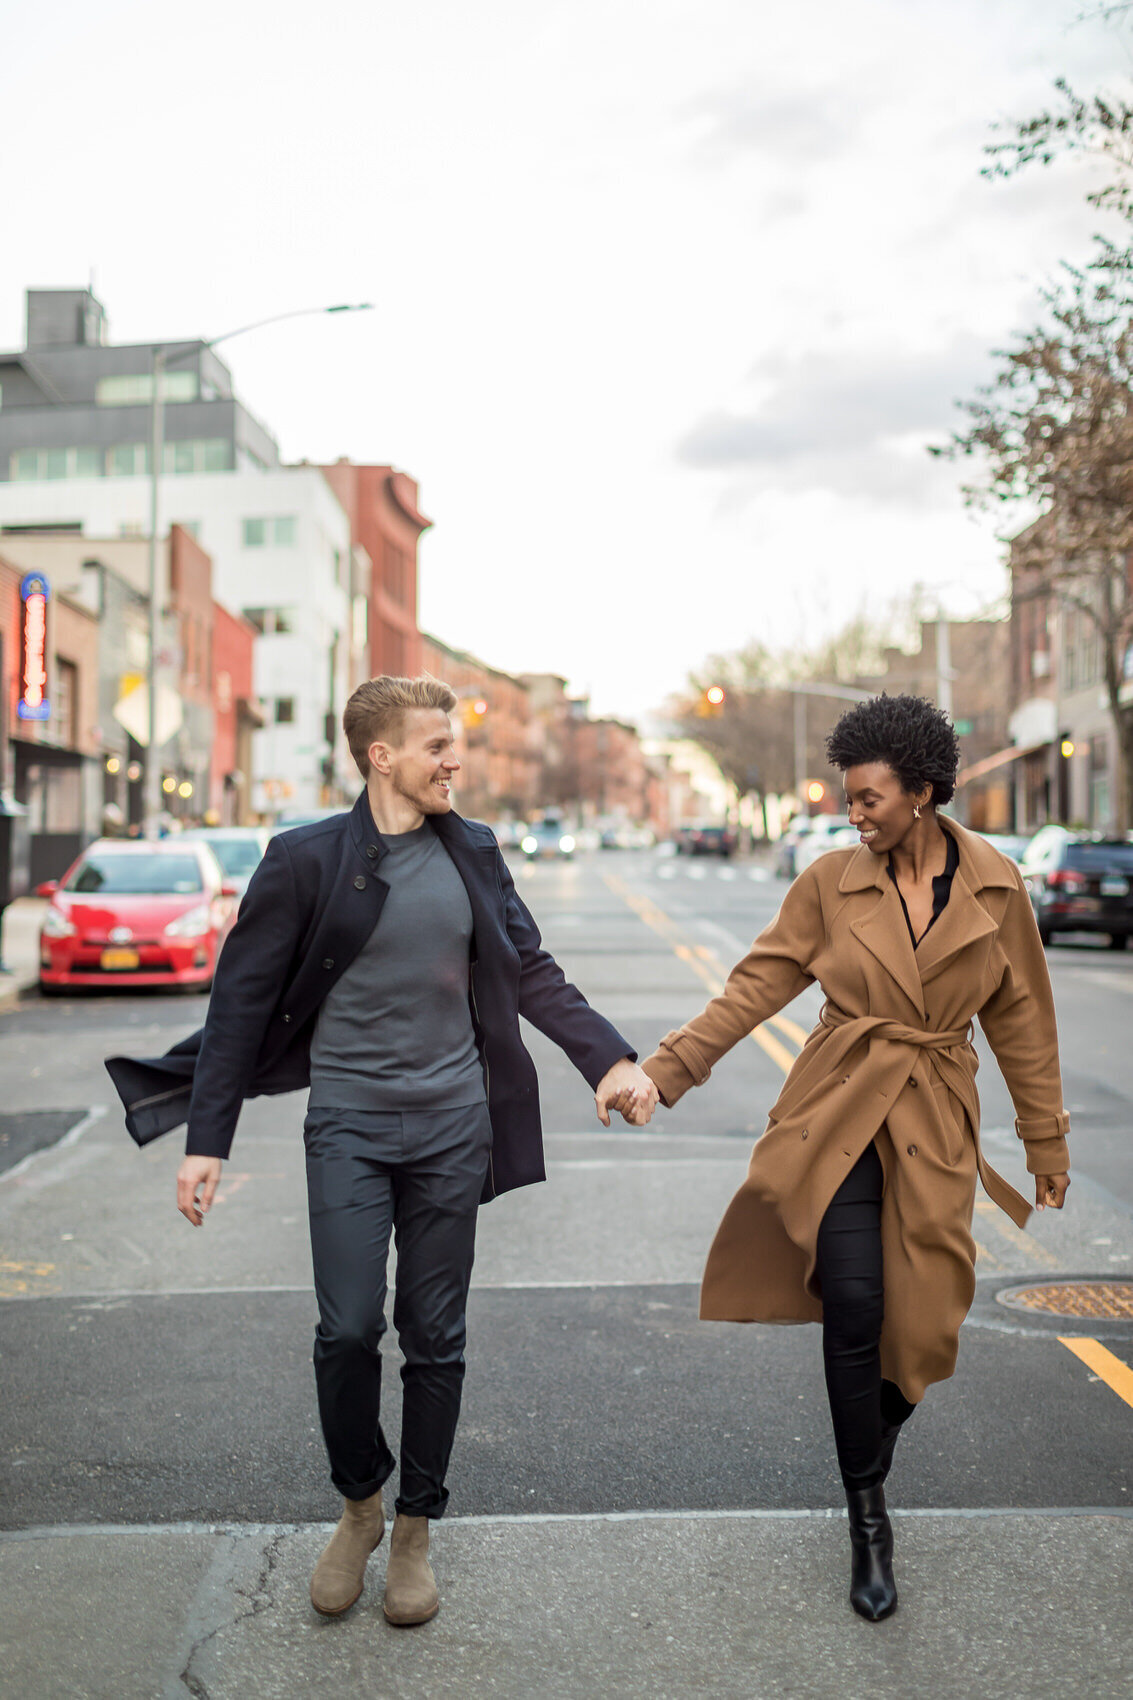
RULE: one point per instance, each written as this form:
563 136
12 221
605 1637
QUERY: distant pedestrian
383 957
857 1209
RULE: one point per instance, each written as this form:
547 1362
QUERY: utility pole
151 790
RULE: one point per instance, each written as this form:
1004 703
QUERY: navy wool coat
309 908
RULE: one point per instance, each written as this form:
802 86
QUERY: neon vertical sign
33 703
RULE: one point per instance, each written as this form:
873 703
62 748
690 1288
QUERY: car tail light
1066 879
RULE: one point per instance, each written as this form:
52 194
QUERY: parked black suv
1080 884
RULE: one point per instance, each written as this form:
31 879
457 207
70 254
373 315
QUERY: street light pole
151 789
800 692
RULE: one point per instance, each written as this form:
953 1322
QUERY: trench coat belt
882 1027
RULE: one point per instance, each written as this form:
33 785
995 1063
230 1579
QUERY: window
29 464
284 711
271 622
131 389
279 530
215 455
127 460
64 702
184 457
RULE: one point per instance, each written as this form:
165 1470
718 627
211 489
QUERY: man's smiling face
421 764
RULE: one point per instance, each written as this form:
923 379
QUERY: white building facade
282 557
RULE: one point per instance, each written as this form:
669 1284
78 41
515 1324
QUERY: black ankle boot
873 1594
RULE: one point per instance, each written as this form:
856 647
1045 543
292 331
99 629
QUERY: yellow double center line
708 969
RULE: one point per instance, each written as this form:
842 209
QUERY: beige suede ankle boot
341 1570
411 1591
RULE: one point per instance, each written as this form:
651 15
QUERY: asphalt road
154 1375
153 1372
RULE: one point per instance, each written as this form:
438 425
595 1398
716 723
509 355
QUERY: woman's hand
1050 1189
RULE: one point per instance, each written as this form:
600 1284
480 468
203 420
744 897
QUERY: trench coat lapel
882 930
962 922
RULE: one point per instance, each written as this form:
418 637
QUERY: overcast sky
671 293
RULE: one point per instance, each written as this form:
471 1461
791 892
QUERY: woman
857 1208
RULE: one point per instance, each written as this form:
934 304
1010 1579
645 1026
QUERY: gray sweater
395 1032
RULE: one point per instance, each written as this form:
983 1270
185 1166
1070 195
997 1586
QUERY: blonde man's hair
376 711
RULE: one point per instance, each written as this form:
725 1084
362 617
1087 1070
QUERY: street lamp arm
296 313
847 691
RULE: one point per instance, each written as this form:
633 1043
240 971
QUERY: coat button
806 1133
845 1080
912 1150
912 1080
328 961
287 1018
371 849
360 883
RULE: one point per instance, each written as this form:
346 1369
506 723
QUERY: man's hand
195 1173
627 1088
1050 1189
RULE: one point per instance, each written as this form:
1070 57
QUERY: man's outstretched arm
550 1002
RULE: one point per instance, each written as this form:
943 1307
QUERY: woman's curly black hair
910 734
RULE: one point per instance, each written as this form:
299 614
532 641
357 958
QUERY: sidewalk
19 935
744 1606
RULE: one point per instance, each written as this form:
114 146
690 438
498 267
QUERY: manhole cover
1112 1301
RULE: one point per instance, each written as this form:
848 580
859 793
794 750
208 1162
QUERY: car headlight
191 924
57 926
529 845
566 844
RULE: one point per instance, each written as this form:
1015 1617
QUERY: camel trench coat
890 1060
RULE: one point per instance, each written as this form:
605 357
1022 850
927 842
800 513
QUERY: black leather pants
419 1176
849 1270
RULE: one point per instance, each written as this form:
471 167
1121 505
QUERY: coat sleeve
250 976
1019 1022
772 973
550 1002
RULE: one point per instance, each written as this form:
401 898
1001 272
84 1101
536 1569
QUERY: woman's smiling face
878 809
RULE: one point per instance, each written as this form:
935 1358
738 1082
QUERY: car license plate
120 959
1114 887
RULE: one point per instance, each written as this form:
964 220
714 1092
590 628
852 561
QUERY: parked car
132 912
238 849
787 846
827 832
1011 844
546 838
706 838
1079 883
303 817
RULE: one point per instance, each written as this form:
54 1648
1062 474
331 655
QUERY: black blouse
941 887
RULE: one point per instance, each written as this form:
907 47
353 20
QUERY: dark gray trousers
420 1176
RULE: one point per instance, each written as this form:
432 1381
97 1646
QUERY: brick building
51 764
496 738
1064 755
385 521
236 715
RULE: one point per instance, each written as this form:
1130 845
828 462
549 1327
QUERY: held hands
1050 1190
627 1088
195 1173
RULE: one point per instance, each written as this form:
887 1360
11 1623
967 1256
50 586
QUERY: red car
132 912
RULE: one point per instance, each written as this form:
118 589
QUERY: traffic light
473 712
711 702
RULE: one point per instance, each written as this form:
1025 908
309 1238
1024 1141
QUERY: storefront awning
1000 759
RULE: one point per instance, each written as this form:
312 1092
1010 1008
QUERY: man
384 958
